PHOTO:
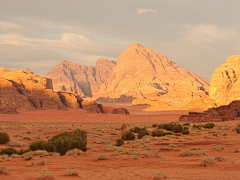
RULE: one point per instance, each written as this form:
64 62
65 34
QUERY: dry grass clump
195 148
41 162
160 176
147 154
165 148
101 157
236 150
109 148
188 152
14 144
101 141
216 147
30 163
75 152
45 174
27 137
4 170
70 172
94 149
158 155
27 157
219 158
206 161
16 156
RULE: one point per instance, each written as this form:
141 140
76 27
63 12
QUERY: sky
198 35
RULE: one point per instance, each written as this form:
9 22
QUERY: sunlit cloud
142 11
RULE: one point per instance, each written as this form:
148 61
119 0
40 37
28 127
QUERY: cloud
142 11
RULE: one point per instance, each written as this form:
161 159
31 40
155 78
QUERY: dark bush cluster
119 142
4 138
63 142
10 151
128 135
238 129
137 129
142 133
160 132
154 125
176 128
209 125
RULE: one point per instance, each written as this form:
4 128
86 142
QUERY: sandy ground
120 167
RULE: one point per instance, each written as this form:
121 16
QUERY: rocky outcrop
84 80
142 73
225 81
92 107
201 104
70 99
184 91
23 90
222 113
120 111
149 102
8 110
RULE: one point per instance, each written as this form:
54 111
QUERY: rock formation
142 73
225 81
136 102
84 80
120 111
201 104
222 113
23 90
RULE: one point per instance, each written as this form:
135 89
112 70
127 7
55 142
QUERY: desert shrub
159 176
101 157
158 133
189 153
237 129
209 125
30 163
4 138
119 142
22 151
206 161
217 147
154 125
4 170
142 133
177 128
41 162
8 151
14 144
219 158
185 130
101 141
186 124
197 126
166 126
27 157
75 152
70 172
137 129
128 135
167 133
41 145
45 174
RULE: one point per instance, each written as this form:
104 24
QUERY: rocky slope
201 104
23 90
84 80
142 73
225 81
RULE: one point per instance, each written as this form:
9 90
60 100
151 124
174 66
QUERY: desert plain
145 158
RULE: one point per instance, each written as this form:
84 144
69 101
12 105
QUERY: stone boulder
201 104
120 111
92 107
218 114
149 102
70 99
142 73
225 81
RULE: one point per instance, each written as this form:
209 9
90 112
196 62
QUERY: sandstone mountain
23 90
201 104
225 81
142 73
84 80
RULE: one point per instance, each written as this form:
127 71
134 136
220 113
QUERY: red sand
124 166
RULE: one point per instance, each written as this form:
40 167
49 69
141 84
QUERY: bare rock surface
202 104
225 81
136 102
70 99
84 80
219 114
120 111
142 73
92 107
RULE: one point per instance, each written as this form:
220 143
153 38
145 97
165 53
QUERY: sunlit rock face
142 73
201 104
84 80
225 82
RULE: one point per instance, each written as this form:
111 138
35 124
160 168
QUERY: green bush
209 125
4 138
238 129
8 151
137 129
41 145
186 124
128 135
154 125
22 151
158 133
166 126
142 133
185 130
119 142
177 128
